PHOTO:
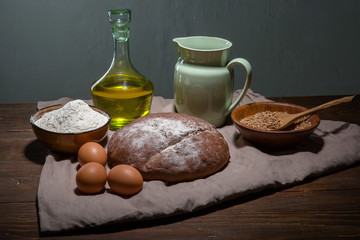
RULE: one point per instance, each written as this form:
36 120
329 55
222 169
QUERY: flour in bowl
74 117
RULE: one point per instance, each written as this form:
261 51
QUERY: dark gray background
55 48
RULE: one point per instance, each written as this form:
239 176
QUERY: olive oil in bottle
124 103
122 91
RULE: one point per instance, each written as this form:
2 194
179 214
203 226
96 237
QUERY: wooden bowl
274 140
67 142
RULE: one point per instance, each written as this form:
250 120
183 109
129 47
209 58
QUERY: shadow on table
313 143
36 152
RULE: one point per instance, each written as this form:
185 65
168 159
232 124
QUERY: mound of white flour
74 117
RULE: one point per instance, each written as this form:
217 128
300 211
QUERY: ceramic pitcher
203 78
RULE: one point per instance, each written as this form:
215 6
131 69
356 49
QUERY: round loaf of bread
171 147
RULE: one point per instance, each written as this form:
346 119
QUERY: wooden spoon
287 119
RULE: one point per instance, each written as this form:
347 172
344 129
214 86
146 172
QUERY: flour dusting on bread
169 146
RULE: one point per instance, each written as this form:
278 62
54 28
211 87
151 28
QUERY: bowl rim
101 111
236 121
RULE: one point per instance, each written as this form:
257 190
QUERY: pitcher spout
203 50
177 46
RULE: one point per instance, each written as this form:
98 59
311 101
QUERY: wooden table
327 207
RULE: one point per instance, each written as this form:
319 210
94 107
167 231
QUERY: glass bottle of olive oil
122 91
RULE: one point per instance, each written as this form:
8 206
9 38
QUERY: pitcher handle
247 67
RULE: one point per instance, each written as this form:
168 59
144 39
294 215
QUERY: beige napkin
333 145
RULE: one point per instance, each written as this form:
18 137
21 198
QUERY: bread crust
171 147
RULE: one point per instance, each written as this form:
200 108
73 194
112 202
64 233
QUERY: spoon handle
327 105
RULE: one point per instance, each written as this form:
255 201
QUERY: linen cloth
333 145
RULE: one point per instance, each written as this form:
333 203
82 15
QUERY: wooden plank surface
322 208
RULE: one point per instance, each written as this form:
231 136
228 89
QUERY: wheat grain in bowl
269 121
257 129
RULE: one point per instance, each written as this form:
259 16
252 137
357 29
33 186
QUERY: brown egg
92 152
125 180
91 178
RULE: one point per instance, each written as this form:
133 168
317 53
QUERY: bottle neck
121 57
121 50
